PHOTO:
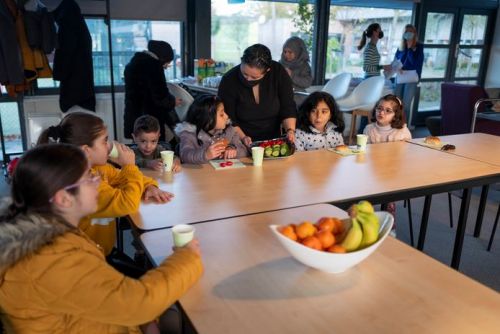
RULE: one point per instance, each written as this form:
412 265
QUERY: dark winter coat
11 66
146 93
73 58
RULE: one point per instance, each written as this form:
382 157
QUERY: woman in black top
258 97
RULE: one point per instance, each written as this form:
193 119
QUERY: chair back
338 85
457 106
183 94
369 90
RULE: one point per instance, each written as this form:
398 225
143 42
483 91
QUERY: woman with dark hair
295 59
53 278
320 123
258 97
371 56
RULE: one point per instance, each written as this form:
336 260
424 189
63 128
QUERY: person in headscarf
295 59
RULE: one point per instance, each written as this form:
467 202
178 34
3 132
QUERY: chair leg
410 220
450 209
494 229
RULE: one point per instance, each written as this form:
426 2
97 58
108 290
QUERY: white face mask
408 35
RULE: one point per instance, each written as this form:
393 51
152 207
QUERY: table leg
480 210
462 222
425 220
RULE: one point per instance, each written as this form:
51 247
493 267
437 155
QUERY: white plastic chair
361 101
183 94
338 85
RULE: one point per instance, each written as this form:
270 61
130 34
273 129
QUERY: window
237 26
346 26
128 37
11 128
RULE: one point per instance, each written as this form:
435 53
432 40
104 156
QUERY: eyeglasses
385 110
93 178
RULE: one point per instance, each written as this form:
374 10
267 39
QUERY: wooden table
252 285
386 172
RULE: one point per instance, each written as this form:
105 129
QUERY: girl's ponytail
362 42
51 134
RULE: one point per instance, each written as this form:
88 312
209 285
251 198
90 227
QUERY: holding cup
168 160
113 154
361 141
257 155
182 234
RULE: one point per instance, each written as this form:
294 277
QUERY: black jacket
73 58
146 93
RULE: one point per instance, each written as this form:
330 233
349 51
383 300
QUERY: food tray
291 147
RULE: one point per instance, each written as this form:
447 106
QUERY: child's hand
176 167
156 164
126 155
230 153
193 245
247 141
154 194
214 151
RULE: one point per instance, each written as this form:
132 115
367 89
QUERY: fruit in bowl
354 242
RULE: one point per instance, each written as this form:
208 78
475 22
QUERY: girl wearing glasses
53 278
389 121
121 190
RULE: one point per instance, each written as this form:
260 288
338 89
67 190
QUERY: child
55 278
206 135
320 123
390 121
147 150
121 190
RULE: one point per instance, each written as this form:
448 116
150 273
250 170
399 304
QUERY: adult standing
295 60
371 56
258 97
411 54
146 91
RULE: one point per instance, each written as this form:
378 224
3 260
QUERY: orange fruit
305 229
336 249
288 231
326 238
338 226
326 223
312 242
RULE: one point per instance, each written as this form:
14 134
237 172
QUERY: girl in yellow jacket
121 190
53 278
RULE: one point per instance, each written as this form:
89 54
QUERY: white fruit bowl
334 262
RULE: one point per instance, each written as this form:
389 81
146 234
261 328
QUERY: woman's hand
230 153
247 141
290 135
155 164
125 155
214 151
176 167
154 194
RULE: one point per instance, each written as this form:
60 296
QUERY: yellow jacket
120 194
54 279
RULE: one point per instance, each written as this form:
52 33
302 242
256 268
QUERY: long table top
252 285
477 146
396 169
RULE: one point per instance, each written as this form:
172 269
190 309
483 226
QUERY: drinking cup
113 154
361 141
182 234
257 155
168 160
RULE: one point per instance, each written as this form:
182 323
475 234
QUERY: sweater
382 134
54 279
371 60
120 193
263 120
315 140
192 152
142 160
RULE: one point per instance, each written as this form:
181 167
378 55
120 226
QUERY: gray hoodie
192 152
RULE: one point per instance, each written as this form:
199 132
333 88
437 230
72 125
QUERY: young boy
147 150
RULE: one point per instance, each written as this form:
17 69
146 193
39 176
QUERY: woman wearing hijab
295 59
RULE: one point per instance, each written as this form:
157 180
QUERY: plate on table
221 164
277 148
351 151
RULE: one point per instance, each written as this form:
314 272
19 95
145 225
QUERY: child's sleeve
190 150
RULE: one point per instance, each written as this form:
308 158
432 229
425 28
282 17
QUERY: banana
365 206
353 238
370 232
368 218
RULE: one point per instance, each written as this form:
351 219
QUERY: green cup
113 154
182 234
361 141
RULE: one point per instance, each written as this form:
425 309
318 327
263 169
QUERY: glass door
455 49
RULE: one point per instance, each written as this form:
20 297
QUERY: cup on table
257 155
182 234
168 160
361 141
113 154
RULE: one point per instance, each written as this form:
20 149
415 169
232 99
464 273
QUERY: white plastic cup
113 154
257 155
168 160
361 141
182 234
